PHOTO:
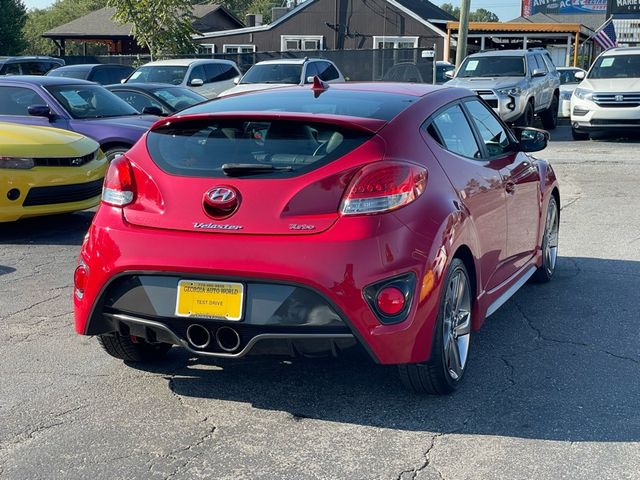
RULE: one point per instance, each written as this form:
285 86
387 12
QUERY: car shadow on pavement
558 361
65 229
562 133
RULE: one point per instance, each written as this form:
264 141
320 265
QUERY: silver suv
517 84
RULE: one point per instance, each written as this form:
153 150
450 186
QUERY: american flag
605 36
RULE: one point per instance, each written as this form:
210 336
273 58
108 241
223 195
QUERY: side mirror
124 80
236 80
309 79
580 75
40 111
538 73
531 139
449 74
196 82
152 111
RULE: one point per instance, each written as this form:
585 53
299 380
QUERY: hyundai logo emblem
221 195
221 201
619 98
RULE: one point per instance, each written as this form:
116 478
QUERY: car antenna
318 86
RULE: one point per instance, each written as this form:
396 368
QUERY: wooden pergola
572 32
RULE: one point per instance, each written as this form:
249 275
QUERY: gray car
517 84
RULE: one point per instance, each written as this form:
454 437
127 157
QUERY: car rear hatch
260 173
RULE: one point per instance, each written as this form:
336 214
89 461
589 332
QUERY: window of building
301 42
207 48
238 48
393 50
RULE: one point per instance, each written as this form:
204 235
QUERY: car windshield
178 97
492 66
219 148
171 74
568 76
273 73
90 101
80 74
363 104
616 66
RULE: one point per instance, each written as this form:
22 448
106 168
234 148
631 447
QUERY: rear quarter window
201 147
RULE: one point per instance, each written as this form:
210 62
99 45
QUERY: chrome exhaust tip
228 339
198 336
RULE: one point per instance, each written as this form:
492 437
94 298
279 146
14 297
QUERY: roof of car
43 80
506 53
289 61
185 62
142 86
622 50
89 66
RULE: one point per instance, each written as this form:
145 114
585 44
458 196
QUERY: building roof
524 27
100 23
592 21
422 10
427 10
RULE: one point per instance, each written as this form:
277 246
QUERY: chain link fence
398 65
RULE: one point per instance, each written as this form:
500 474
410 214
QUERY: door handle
510 187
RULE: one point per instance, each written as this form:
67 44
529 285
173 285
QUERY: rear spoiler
368 125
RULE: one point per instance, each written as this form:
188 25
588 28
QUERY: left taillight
383 187
119 186
80 277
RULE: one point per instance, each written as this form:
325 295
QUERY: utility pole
463 30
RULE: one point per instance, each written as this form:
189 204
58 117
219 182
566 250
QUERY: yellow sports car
46 170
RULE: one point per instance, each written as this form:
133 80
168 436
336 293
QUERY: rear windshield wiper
239 169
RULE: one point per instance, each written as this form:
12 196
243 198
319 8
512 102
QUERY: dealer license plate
209 299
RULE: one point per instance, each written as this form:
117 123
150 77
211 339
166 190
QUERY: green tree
163 26
12 18
41 20
479 15
483 15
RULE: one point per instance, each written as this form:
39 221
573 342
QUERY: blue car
76 105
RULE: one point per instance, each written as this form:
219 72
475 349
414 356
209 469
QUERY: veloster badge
215 226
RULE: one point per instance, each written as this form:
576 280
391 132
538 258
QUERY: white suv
608 99
208 77
286 72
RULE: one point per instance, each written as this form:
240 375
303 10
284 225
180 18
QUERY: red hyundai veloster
306 220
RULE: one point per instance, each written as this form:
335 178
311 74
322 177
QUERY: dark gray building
338 25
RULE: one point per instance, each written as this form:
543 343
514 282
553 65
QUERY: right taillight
119 187
383 187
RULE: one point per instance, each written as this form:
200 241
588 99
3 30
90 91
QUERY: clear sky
505 9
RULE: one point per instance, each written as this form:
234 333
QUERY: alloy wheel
551 244
457 324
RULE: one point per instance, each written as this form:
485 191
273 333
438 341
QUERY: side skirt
498 302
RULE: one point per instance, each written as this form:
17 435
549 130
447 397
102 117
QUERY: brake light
383 187
119 187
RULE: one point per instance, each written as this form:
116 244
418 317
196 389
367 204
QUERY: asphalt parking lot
553 387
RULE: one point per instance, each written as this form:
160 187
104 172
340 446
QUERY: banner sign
531 7
623 7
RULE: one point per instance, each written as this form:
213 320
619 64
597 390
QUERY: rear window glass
206 148
364 104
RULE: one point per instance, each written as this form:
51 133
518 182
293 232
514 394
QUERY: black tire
433 377
549 244
550 115
132 349
576 135
113 152
526 119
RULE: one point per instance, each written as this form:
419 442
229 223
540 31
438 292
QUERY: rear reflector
390 301
119 187
80 277
383 187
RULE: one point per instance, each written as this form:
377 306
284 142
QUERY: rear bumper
335 265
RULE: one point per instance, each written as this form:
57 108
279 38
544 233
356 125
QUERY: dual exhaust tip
227 338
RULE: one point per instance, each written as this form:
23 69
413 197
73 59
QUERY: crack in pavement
33 305
544 338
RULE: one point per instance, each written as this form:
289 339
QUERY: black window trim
485 158
430 122
474 127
